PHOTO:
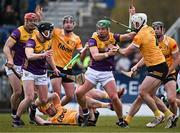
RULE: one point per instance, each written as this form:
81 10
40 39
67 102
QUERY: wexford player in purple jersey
103 48
15 53
38 54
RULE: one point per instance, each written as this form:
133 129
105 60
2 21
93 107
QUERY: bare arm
128 36
33 56
7 51
176 58
100 56
127 51
138 65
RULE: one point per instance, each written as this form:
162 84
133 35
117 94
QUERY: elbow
96 58
29 57
5 49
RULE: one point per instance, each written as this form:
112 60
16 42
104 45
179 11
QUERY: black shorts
159 71
68 72
170 77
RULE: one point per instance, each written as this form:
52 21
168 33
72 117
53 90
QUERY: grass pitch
104 124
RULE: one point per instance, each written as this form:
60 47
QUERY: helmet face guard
68 23
138 20
68 18
159 28
45 28
103 27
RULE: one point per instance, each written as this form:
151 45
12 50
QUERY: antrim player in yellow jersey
103 48
65 116
15 54
64 43
38 54
170 50
155 62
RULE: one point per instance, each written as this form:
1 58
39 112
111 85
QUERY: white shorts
38 79
95 76
18 69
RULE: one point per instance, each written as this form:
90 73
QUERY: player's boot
156 121
171 122
122 124
32 113
85 120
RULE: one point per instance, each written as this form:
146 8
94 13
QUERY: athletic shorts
170 77
159 71
18 69
95 76
68 72
38 79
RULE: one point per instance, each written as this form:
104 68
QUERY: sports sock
128 119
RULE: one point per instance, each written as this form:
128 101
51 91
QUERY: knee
70 97
78 93
172 100
43 100
142 93
18 93
114 97
29 99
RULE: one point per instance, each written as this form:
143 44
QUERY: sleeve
117 37
30 43
137 40
16 35
78 43
173 46
92 42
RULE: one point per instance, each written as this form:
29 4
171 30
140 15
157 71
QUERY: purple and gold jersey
106 64
20 37
39 66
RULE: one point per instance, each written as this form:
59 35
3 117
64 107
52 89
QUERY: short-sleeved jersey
63 115
63 47
39 66
168 47
145 40
20 36
106 64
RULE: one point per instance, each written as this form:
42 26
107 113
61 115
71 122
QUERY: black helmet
43 26
68 17
158 24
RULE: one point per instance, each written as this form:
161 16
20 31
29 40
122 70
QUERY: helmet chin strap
137 30
47 37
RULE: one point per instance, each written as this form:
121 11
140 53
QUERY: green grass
104 124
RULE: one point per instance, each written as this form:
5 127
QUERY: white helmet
138 20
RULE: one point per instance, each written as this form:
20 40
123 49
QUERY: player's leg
81 98
69 89
110 88
170 88
147 89
134 109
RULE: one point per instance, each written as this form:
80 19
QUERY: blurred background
87 13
